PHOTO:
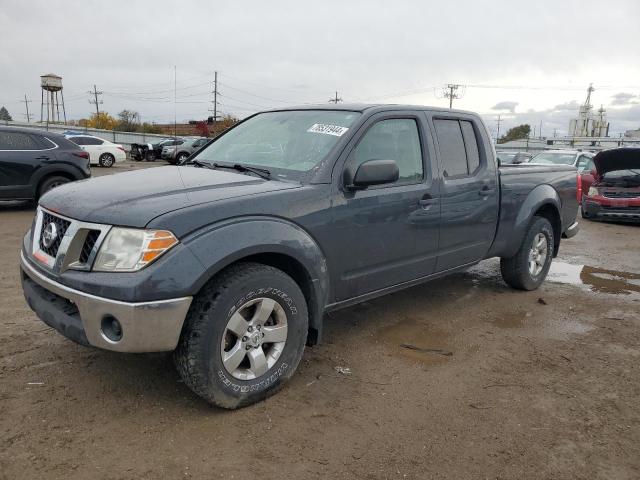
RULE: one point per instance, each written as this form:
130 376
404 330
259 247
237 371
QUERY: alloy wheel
538 254
254 338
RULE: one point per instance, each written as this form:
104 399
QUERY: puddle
596 279
511 319
422 342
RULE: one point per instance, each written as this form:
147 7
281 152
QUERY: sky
523 60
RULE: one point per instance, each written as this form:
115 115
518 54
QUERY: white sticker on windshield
334 130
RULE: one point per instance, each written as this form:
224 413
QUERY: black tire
584 214
150 156
515 270
106 160
50 183
198 356
181 157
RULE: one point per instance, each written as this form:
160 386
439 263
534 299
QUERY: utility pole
498 120
95 101
451 92
540 131
215 100
335 99
26 105
175 98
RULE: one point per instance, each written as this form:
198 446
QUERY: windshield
554 158
621 178
291 140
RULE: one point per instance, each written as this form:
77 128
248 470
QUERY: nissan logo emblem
49 234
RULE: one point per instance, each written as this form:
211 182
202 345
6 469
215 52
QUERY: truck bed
522 183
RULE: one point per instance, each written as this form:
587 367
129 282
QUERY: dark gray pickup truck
231 260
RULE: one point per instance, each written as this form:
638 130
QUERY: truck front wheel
528 268
244 335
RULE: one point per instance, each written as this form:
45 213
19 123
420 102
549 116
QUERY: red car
611 191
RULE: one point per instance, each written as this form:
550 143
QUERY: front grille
631 209
89 243
621 194
61 228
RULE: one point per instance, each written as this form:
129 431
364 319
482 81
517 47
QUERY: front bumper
146 326
611 212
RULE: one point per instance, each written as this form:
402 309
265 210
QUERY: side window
394 139
78 140
17 141
93 141
471 144
458 147
452 151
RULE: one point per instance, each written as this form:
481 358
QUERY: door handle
486 190
426 201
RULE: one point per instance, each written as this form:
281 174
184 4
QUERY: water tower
51 85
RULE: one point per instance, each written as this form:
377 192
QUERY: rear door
388 234
469 190
94 147
20 155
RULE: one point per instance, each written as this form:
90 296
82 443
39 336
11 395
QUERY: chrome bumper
146 326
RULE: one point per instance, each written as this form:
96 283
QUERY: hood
616 159
134 198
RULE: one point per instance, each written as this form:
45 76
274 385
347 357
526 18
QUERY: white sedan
101 152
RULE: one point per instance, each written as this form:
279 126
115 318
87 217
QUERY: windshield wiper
198 163
261 172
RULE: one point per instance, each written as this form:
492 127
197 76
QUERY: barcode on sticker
335 130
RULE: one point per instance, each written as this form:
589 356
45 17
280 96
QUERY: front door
469 190
387 234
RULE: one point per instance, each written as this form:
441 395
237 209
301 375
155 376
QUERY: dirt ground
517 385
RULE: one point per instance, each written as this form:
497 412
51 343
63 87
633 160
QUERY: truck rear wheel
244 336
528 268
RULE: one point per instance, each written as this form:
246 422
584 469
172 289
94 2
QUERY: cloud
624 98
508 106
572 105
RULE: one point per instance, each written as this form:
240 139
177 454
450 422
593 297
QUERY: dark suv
33 162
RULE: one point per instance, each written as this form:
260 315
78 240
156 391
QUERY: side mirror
371 172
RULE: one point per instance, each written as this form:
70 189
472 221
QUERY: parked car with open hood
101 152
232 259
614 193
32 162
150 152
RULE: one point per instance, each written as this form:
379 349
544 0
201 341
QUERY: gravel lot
516 385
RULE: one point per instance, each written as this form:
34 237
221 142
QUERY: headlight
130 249
593 191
